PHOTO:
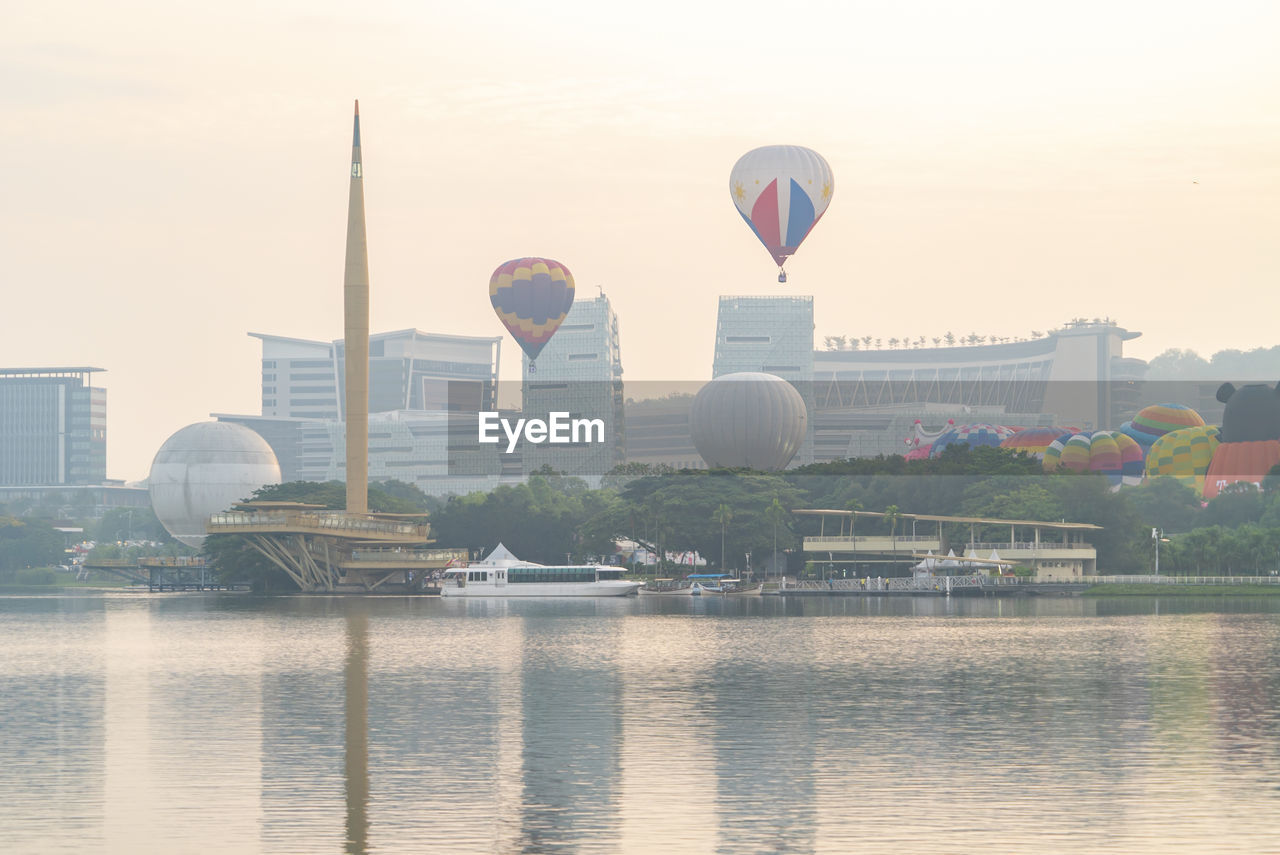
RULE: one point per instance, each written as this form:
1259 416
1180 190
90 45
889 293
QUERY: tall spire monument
355 289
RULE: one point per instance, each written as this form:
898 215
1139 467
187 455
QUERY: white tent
501 555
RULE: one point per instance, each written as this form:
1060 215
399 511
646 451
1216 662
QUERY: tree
775 514
891 517
1165 503
723 515
852 506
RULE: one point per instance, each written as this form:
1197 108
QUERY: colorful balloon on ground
971 435
781 191
1240 462
1184 454
1036 440
920 452
1109 452
1155 421
531 296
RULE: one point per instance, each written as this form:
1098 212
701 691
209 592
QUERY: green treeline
552 517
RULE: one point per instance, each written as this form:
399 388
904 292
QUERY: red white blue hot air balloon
781 191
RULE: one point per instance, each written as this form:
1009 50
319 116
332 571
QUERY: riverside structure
325 550
1065 557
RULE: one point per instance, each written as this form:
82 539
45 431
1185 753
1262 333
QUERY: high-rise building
579 372
423 388
53 427
408 370
773 335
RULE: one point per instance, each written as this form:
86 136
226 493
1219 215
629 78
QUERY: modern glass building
424 388
773 335
408 370
579 372
53 427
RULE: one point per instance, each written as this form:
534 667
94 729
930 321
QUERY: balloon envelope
1109 452
1035 441
1155 421
1240 462
971 435
781 191
1183 454
531 296
748 419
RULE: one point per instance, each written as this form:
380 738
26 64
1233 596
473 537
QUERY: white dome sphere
206 468
748 419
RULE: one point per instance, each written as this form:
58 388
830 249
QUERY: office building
773 335
422 387
579 372
408 370
53 427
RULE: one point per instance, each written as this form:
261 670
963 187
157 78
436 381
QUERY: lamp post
1155 535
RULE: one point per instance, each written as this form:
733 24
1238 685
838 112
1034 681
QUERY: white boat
711 583
501 574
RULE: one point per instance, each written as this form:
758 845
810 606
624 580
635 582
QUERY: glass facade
579 372
53 427
773 335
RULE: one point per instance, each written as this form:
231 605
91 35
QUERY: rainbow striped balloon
1155 421
1108 452
1036 440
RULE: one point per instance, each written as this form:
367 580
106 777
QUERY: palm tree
775 514
852 506
723 515
891 516
866 341
950 338
893 342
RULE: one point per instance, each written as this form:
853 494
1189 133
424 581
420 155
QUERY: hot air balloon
1240 462
1184 454
1155 421
781 191
1110 452
748 419
531 296
1036 440
971 435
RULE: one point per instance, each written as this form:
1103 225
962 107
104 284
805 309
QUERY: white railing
902 538
1182 580
331 521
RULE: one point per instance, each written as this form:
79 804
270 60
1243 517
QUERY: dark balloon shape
749 420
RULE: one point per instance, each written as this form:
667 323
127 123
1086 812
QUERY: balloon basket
782 275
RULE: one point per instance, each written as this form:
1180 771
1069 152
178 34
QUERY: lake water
171 723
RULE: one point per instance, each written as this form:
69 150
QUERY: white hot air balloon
781 191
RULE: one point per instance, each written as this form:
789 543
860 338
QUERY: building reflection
355 679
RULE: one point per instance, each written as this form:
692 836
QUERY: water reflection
356 682
176 723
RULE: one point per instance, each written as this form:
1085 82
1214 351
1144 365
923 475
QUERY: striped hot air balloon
1109 452
1183 454
1035 441
781 191
531 296
1155 421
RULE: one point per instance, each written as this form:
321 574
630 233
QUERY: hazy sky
176 174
